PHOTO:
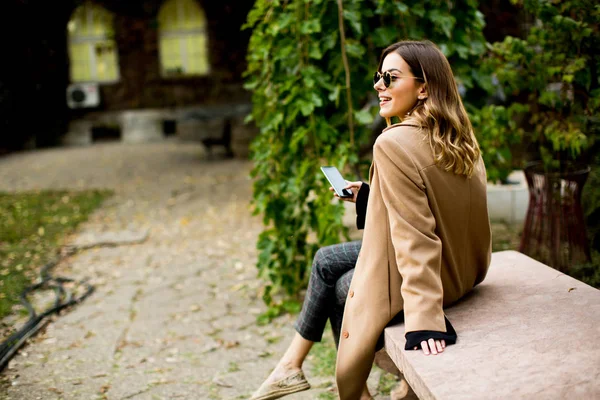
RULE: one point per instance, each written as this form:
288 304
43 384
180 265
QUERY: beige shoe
293 383
400 391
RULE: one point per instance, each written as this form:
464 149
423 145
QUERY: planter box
509 203
140 126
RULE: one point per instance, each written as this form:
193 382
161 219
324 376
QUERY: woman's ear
422 92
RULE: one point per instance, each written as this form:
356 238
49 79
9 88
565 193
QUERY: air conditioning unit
83 95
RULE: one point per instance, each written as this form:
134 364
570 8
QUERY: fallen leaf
264 354
231 344
209 348
221 383
238 287
228 344
104 389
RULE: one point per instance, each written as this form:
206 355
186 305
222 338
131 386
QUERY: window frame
181 35
92 42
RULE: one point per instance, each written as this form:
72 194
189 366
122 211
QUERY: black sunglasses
388 78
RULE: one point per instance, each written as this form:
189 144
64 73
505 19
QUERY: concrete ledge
508 203
139 126
527 332
194 123
79 134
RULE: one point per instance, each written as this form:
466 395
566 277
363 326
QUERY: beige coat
426 243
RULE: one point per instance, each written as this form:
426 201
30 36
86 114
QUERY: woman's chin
385 113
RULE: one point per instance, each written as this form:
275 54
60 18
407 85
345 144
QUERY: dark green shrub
551 81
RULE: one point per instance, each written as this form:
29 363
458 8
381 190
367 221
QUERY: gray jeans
330 277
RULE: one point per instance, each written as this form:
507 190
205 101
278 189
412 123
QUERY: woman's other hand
432 346
353 186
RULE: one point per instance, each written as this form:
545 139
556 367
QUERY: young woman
427 238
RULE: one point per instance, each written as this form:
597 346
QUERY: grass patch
505 236
588 273
327 396
33 226
387 382
233 367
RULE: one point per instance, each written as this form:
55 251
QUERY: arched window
92 49
183 39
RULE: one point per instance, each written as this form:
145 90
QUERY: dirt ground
173 317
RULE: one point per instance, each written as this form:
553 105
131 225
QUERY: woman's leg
329 264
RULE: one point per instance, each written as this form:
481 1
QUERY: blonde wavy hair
442 114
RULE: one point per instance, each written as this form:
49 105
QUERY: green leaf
402 8
306 108
315 50
353 18
354 49
310 26
364 117
444 21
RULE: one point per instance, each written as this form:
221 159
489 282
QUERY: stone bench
218 125
526 332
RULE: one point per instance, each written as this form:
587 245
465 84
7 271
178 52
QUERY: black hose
64 298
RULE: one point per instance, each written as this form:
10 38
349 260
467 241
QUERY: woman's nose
378 85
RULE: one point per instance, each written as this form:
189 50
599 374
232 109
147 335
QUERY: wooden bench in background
527 332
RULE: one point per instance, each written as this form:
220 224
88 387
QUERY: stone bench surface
527 332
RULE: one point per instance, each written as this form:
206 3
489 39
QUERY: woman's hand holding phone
352 186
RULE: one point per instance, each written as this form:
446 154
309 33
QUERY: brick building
173 63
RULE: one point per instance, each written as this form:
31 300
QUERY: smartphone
337 181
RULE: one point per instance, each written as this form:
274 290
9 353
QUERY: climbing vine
314 106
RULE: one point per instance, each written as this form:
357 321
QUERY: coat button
345 334
351 293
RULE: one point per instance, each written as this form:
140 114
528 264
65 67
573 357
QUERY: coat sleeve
418 249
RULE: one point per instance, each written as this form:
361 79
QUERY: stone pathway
173 317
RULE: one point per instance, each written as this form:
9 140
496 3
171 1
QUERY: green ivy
551 78
497 139
313 109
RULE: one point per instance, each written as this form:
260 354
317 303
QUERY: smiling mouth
384 100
